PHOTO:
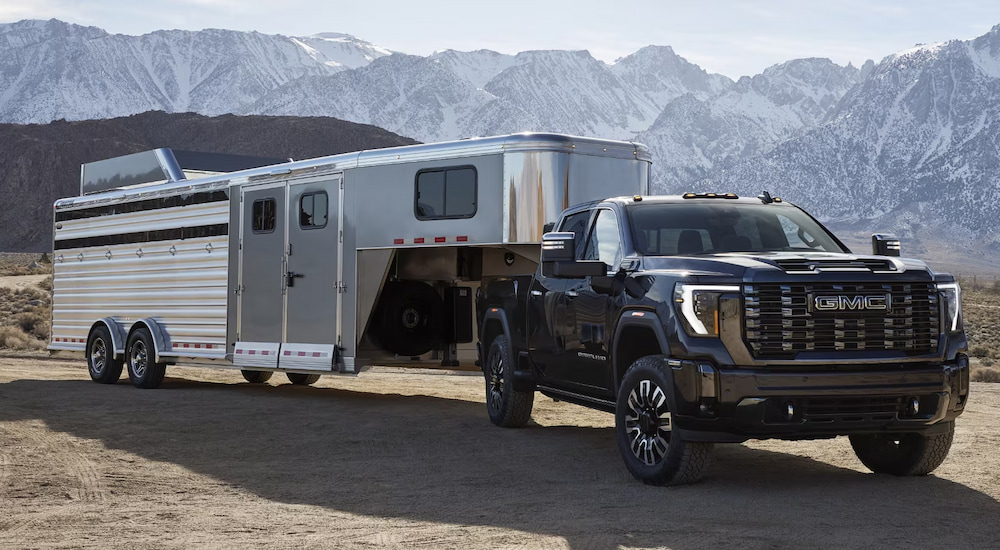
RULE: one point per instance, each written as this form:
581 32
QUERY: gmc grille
780 320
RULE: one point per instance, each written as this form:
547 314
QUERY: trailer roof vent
160 165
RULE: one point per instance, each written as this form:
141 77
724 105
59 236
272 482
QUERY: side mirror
559 258
885 245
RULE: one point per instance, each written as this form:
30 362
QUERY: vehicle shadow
440 460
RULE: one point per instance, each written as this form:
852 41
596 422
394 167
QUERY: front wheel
653 453
102 364
140 357
909 454
507 406
256 376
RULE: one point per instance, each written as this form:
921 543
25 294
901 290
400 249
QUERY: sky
731 37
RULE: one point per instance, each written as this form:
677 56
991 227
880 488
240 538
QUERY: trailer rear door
314 273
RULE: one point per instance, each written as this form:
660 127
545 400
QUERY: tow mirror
885 245
559 258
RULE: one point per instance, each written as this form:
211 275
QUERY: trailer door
314 269
262 275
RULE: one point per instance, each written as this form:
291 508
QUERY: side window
605 241
263 216
446 193
577 223
313 210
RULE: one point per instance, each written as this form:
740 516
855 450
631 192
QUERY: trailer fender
159 341
637 334
117 332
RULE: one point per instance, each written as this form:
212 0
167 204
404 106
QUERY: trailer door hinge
341 287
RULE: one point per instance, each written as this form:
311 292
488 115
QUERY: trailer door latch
292 276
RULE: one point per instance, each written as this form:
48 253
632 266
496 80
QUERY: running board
577 399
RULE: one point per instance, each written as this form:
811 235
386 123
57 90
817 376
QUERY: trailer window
263 215
313 210
446 193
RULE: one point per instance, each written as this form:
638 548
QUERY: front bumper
736 404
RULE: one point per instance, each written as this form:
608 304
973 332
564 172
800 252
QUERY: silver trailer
310 267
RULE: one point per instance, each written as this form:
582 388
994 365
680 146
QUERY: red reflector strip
462 239
440 239
397 241
419 240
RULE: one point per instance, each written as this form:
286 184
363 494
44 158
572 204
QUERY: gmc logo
852 303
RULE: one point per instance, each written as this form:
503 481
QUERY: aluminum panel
179 284
294 356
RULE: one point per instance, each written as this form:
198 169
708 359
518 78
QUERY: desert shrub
11 337
34 323
45 284
986 375
979 351
986 362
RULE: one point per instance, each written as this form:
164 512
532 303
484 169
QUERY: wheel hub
98 355
411 318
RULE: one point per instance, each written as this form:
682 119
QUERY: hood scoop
812 265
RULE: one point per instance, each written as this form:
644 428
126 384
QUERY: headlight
951 293
699 307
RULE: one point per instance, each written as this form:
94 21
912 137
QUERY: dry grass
24 317
12 264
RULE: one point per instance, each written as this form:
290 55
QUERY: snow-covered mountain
51 69
915 145
910 141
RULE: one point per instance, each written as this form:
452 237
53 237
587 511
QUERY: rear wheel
653 453
507 406
140 357
256 376
104 368
301 379
909 454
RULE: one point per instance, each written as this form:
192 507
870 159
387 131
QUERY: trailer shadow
439 460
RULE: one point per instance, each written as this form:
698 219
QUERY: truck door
313 273
261 275
550 330
589 312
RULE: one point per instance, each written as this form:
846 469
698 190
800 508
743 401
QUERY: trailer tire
410 318
300 379
905 454
507 407
140 358
102 365
256 376
653 453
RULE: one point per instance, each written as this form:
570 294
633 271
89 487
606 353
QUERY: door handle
572 293
536 293
292 276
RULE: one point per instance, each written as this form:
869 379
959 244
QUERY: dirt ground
408 460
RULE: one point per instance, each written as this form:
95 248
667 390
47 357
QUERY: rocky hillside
41 162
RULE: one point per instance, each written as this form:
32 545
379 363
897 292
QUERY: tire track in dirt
64 457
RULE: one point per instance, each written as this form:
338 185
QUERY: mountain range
909 143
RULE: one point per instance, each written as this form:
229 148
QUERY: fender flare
159 342
648 320
117 332
494 314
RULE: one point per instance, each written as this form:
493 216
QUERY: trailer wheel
410 318
907 454
104 368
256 376
140 357
300 379
506 406
653 453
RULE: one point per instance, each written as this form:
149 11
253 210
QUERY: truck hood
764 266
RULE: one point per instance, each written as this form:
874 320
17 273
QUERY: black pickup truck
709 318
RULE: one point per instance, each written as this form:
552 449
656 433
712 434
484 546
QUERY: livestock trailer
316 266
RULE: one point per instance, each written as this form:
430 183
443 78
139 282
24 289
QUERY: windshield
684 229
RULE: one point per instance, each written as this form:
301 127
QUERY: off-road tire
102 365
653 453
907 454
507 407
300 379
140 354
256 376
